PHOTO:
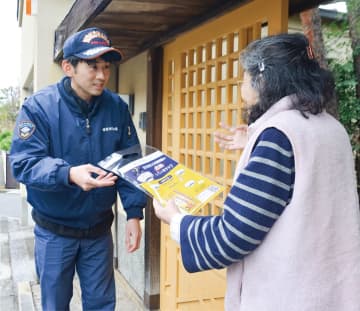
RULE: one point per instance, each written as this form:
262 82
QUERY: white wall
37 41
132 79
27 48
49 16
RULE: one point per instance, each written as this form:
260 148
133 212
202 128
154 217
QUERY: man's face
89 78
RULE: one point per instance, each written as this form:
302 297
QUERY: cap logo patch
89 37
26 129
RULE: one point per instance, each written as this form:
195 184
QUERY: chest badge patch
26 129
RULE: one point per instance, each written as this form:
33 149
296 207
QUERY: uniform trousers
57 258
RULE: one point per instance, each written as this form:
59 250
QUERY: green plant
5 140
9 107
340 57
341 63
349 107
348 103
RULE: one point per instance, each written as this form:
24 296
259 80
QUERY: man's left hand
133 234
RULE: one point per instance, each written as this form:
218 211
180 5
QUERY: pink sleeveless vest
310 259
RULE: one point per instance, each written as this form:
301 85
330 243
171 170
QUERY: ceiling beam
194 22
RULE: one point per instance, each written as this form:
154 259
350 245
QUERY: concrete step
17 265
8 292
21 244
25 297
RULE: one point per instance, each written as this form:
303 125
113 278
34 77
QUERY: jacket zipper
88 128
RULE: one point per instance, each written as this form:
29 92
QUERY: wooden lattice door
200 89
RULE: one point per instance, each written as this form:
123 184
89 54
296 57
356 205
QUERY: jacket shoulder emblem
26 129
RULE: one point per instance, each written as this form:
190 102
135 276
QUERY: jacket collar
74 102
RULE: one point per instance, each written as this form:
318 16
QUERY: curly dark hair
282 65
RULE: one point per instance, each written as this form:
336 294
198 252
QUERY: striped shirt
256 200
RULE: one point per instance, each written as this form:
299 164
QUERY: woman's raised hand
233 138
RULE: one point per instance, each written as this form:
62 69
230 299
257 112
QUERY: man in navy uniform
62 131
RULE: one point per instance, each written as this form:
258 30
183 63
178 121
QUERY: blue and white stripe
256 200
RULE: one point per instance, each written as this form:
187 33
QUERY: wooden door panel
201 88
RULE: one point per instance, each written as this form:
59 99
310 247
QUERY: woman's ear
67 68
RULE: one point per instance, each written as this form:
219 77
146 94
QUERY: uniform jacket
52 134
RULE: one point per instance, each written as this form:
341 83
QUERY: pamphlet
162 177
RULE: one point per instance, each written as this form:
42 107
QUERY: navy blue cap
90 43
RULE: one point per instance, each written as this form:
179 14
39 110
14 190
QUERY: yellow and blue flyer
162 177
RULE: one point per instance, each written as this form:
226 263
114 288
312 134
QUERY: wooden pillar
153 138
279 17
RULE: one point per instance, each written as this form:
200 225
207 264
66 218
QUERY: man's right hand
82 176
